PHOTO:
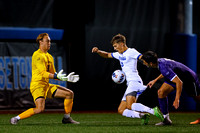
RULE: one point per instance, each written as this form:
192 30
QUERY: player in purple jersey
176 76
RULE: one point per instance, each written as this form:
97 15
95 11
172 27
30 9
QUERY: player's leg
122 107
125 105
39 98
128 99
68 96
40 105
164 90
123 110
131 99
142 108
131 93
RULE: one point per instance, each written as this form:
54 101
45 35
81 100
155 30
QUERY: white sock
142 108
18 118
167 115
66 116
131 113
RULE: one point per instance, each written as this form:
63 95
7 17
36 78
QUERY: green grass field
96 123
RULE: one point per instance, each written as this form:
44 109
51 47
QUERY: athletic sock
26 114
166 115
66 116
18 118
68 103
141 108
163 102
131 113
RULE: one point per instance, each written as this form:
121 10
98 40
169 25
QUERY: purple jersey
170 69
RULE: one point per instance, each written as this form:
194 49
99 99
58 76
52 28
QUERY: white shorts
136 86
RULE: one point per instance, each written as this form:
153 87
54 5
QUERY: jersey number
122 64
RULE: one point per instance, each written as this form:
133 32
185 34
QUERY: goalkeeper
42 70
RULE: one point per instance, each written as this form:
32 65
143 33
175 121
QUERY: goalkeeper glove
60 76
70 78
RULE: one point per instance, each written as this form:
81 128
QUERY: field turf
96 123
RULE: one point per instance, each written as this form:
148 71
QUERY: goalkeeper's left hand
60 76
72 78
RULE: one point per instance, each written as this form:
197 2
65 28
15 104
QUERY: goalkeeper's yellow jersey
42 66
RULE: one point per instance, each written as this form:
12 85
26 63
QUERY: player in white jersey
128 58
128 61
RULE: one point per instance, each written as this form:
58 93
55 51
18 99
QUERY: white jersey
128 61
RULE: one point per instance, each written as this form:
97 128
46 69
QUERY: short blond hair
41 36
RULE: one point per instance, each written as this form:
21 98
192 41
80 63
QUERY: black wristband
55 76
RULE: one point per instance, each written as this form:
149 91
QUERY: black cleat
166 121
69 121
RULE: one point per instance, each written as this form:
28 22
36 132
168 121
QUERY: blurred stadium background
168 27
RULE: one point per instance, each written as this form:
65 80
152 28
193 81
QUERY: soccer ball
118 76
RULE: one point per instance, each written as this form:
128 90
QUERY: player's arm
139 57
40 64
52 74
179 85
151 83
41 67
103 54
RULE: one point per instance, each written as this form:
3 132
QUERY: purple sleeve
167 73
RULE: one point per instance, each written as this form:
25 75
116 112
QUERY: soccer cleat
14 121
196 122
166 121
69 121
158 113
145 119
